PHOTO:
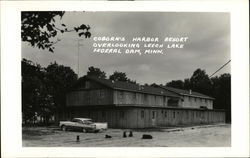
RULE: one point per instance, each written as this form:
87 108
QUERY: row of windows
164 113
121 95
121 114
102 93
145 96
143 114
196 99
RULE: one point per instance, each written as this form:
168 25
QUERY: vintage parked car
83 124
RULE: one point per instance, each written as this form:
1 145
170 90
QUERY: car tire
84 130
64 128
100 130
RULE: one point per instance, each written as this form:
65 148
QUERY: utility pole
78 50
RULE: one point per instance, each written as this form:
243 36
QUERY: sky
207 47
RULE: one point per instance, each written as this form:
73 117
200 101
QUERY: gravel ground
197 136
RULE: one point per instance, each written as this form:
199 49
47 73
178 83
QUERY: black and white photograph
89 79
128 79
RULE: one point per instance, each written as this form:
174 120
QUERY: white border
11 142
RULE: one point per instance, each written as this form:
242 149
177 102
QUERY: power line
220 68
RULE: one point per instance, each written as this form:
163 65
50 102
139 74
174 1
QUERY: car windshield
88 122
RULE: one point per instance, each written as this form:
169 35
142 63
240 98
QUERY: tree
45 103
39 28
176 84
59 80
36 100
44 89
200 82
221 91
120 76
96 72
216 87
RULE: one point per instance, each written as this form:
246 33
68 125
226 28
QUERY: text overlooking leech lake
137 45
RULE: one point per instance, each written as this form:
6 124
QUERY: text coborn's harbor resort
137 45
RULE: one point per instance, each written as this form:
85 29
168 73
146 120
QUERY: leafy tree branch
39 28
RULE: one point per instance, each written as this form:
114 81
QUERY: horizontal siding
149 117
191 102
170 117
89 97
123 98
133 98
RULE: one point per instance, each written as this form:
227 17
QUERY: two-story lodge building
128 105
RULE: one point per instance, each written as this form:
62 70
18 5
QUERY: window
194 99
87 84
165 101
145 97
121 114
102 93
142 114
120 95
173 102
79 121
165 113
88 122
153 114
134 96
88 98
103 114
174 114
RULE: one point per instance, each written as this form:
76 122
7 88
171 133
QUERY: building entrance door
153 120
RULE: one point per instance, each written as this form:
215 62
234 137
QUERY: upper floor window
102 93
87 84
87 98
122 114
134 96
120 95
153 114
142 114
145 97
173 102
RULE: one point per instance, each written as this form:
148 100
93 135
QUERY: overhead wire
220 68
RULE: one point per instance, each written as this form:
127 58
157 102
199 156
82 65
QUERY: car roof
83 119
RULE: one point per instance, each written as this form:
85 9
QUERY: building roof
126 86
185 92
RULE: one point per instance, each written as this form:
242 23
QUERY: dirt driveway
198 136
